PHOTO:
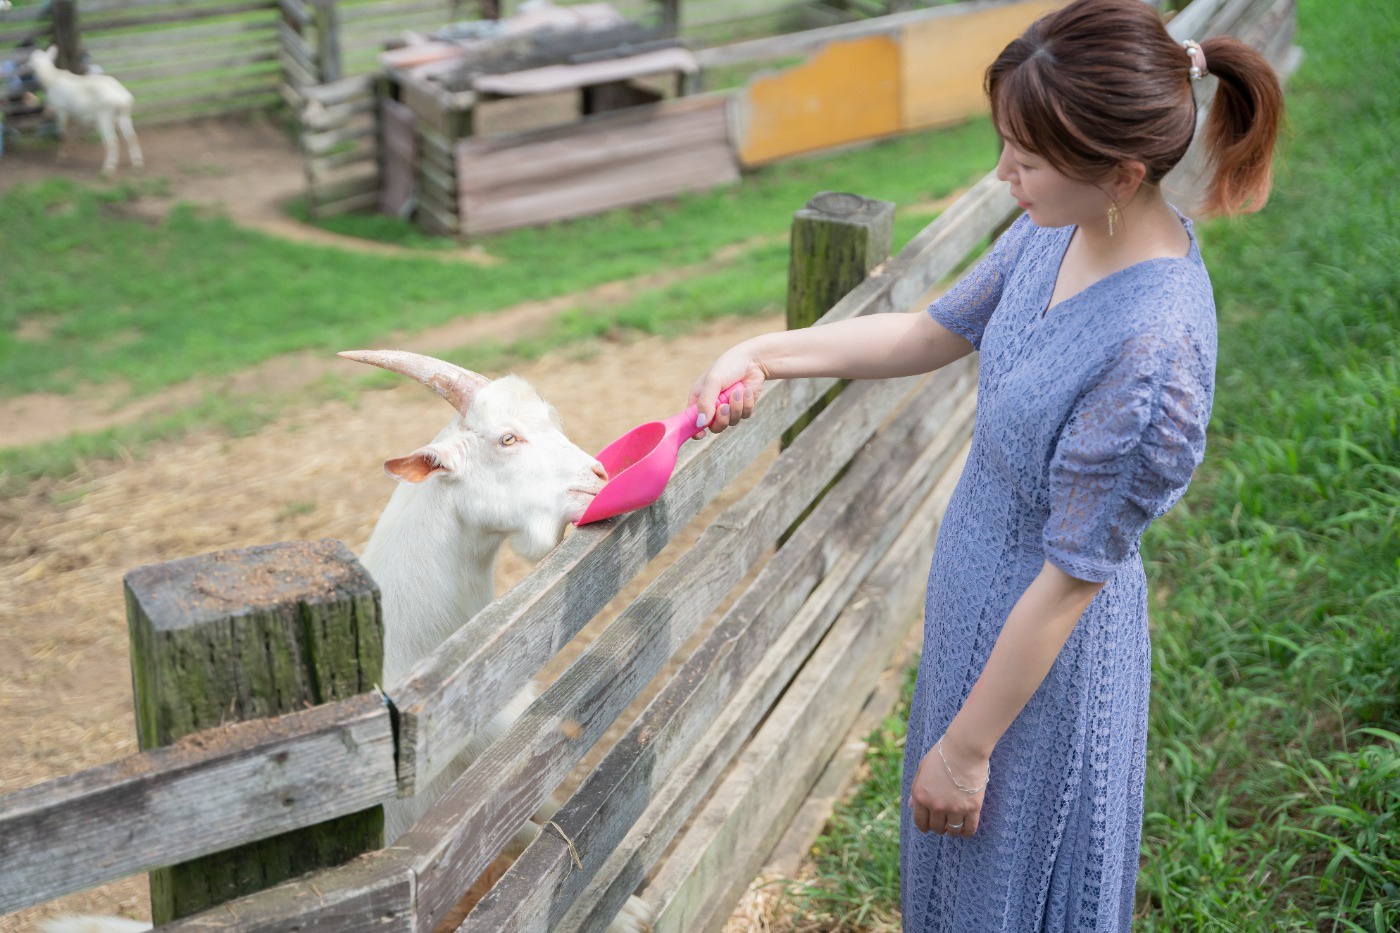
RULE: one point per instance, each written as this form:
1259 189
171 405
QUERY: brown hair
1100 82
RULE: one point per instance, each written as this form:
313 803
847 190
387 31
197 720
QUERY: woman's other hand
939 805
738 364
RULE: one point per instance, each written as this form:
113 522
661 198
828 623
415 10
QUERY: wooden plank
320 118
460 835
833 551
221 787
252 100
184 70
462 685
437 219
388 15
119 7
342 91
846 92
171 93
399 152
942 61
697 168
674 803
597 142
444 186
603 163
182 16
328 168
839 776
372 894
316 144
799 43
297 48
365 200
345 188
102 45
202 84
119 61
296 71
295 11
695 890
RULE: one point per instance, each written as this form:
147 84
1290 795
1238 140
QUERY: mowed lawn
1273 796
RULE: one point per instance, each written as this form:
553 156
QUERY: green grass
97 295
1273 796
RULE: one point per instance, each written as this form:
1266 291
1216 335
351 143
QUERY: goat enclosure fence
758 687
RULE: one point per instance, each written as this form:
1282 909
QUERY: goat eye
507 440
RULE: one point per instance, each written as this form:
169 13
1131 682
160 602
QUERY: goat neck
433 571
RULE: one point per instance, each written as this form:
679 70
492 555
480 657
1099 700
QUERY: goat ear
417 466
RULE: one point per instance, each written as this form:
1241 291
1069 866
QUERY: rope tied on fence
573 851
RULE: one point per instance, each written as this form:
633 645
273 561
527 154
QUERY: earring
1112 217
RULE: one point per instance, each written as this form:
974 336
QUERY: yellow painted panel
847 91
944 60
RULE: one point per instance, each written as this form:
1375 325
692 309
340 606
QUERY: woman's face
1051 199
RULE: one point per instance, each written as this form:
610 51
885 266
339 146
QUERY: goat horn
449 380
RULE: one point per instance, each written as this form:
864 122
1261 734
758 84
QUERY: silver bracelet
959 784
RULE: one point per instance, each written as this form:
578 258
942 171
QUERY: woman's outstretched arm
878 346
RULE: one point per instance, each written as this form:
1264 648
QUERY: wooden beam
712 864
245 634
791 44
218 788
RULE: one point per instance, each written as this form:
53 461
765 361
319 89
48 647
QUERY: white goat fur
89 99
434 549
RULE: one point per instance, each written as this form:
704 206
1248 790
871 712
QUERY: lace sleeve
967 306
1125 455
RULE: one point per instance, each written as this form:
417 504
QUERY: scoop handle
693 412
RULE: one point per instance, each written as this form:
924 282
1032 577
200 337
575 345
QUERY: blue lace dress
1090 421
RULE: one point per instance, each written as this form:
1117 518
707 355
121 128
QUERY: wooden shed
554 112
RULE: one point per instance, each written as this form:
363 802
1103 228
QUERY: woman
1095 320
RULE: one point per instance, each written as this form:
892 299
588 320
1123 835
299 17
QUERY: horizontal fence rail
221 787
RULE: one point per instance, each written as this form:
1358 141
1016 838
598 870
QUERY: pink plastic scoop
639 463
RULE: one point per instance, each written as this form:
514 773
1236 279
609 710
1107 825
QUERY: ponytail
1241 127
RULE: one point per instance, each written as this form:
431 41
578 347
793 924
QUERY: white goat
97 99
502 470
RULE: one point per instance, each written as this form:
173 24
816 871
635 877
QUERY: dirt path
65 685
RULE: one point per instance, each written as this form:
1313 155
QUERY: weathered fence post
247 634
326 16
837 239
63 16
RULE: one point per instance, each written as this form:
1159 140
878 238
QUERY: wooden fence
687 804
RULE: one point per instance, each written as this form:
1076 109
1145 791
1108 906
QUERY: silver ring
956 825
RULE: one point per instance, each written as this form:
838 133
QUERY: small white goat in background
96 99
